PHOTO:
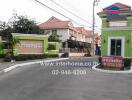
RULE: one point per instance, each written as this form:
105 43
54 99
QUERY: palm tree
12 41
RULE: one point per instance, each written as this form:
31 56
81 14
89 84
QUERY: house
88 36
116 38
64 29
73 39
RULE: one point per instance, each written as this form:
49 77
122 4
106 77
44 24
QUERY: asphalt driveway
38 82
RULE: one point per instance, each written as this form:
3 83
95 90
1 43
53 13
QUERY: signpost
113 61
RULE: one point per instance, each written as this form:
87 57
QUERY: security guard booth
116 35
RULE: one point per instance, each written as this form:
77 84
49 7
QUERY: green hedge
51 47
29 57
2 55
127 62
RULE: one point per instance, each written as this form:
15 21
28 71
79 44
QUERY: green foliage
51 47
127 62
2 55
19 24
54 37
25 25
23 57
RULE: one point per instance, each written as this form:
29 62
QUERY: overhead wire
70 11
41 3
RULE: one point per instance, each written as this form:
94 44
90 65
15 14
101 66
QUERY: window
54 31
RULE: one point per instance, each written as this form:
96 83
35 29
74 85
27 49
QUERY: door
116 47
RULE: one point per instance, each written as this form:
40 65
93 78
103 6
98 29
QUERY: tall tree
18 24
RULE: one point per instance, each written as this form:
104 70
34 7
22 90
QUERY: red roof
84 31
123 9
54 23
120 5
88 33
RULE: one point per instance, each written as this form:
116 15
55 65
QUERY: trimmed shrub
2 55
51 47
127 62
29 57
52 55
23 57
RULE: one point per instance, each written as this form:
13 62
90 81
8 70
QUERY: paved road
38 82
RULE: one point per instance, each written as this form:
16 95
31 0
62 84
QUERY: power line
60 13
91 3
70 12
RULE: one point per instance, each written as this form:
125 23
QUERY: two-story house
66 32
64 29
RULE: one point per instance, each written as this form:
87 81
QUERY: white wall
81 37
88 39
63 33
118 24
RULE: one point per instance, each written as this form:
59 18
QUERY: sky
82 8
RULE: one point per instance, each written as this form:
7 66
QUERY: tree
54 38
24 25
12 42
20 24
17 24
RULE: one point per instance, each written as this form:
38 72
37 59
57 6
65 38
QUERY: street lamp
95 3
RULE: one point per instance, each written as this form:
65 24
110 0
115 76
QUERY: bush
52 55
100 60
2 55
28 57
23 57
127 62
51 47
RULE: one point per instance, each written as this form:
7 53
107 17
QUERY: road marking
30 63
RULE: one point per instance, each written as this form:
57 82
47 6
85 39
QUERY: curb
30 63
110 71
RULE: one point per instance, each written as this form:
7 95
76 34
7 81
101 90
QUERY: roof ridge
117 4
122 4
53 19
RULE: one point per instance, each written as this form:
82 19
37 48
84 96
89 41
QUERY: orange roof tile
54 23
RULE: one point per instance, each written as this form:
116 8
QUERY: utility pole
95 3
